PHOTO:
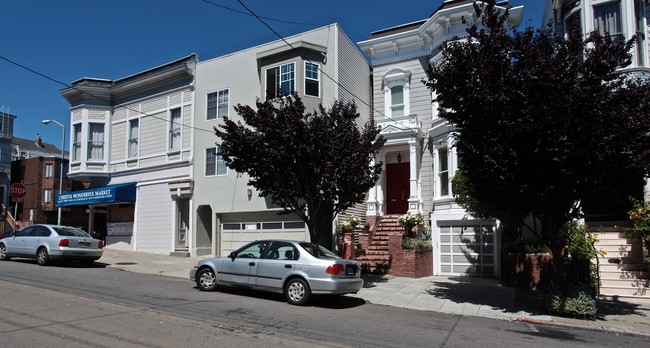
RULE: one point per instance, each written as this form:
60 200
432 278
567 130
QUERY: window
443 171
134 125
214 162
76 142
49 169
218 104
47 196
175 129
396 92
607 18
280 81
312 80
252 251
96 141
397 101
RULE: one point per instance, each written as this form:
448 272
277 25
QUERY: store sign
119 228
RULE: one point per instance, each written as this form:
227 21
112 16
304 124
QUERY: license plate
84 244
350 270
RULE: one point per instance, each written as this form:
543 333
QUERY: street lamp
62 160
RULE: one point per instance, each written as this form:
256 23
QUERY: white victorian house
419 156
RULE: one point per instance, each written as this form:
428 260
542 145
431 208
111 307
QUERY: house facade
321 65
131 141
622 272
419 156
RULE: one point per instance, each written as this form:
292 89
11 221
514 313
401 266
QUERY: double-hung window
218 104
443 171
76 142
214 162
49 170
47 196
312 79
175 129
607 18
95 141
397 101
280 81
134 126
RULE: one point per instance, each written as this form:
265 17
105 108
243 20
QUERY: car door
279 260
240 269
36 238
18 244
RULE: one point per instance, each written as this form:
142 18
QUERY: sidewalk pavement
468 296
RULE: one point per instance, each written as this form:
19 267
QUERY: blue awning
119 193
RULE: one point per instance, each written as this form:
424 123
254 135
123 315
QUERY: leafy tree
544 122
315 165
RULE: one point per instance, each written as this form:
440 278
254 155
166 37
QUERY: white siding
155 223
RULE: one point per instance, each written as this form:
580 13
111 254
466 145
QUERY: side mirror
232 255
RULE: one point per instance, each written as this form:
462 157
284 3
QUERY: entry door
183 207
397 188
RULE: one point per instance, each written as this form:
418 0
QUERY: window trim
279 81
393 78
130 139
216 162
441 172
48 171
217 95
317 80
48 195
92 142
173 127
77 129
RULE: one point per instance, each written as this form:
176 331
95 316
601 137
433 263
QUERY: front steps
377 259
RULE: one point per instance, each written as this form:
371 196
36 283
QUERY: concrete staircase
622 271
377 258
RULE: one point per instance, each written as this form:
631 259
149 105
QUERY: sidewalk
469 296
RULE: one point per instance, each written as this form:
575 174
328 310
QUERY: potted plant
409 221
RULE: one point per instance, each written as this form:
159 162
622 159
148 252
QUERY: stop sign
17 190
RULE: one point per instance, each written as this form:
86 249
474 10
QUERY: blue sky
64 40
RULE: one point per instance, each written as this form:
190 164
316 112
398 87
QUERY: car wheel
297 291
206 280
42 257
3 253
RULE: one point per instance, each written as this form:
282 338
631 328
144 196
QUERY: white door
468 250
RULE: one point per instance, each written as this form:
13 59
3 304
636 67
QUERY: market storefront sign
106 194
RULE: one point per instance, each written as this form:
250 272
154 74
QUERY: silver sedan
297 269
51 242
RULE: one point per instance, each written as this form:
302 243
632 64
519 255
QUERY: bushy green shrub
416 243
575 303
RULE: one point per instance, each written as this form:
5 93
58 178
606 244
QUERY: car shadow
62 264
320 301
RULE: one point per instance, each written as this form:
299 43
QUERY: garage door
236 231
467 250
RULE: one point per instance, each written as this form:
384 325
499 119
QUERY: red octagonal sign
17 191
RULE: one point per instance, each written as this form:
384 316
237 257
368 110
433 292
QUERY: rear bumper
76 254
335 286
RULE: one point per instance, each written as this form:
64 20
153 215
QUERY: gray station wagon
297 269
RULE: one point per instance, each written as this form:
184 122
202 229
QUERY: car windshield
71 232
318 251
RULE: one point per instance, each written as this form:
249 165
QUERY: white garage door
467 250
238 230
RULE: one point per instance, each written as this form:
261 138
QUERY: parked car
297 269
47 243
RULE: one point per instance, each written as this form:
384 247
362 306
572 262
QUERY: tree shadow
488 292
617 306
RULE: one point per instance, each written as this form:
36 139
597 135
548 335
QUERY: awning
106 194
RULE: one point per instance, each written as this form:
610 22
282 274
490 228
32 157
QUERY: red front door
397 188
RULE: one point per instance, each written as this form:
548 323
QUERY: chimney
39 142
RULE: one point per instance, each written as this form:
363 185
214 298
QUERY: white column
371 203
413 200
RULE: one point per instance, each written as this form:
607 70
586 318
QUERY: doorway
397 187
